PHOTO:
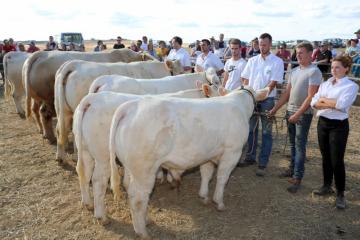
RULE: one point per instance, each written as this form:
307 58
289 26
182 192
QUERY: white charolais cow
178 134
168 84
39 78
13 65
91 129
74 78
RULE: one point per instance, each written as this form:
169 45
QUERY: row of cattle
105 99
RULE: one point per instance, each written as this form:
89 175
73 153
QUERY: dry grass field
41 200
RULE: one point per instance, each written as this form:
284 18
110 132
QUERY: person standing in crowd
358 37
284 54
144 43
133 47
323 58
7 47
303 83
316 51
208 59
333 101
263 70
294 59
234 66
162 51
118 44
221 41
332 50
196 50
254 49
353 51
32 47
51 44
179 53
99 47
21 47
151 49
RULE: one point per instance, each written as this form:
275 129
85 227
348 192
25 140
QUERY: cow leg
140 188
226 164
46 121
206 171
19 109
35 107
126 179
100 181
84 169
63 137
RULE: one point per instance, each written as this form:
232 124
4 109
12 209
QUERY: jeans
266 124
332 136
298 134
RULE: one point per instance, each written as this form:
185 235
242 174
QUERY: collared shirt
211 60
234 68
182 55
344 92
260 72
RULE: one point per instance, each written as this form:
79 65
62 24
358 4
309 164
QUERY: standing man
263 70
358 37
304 82
324 57
208 59
32 47
144 44
118 44
234 66
51 44
179 53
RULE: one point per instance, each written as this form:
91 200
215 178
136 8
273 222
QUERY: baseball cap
358 31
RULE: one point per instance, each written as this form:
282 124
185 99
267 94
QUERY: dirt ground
41 200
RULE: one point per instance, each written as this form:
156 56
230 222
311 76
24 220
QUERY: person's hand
294 118
271 113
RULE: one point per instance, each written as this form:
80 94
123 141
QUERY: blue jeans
298 134
266 125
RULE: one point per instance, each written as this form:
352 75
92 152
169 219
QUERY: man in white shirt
144 45
207 59
263 70
179 53
234 66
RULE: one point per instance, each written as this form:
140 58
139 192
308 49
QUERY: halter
250 93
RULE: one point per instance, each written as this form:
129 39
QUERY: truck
67 38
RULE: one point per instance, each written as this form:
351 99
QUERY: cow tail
97 84
77 129
118 116
26 78
7 86
60 100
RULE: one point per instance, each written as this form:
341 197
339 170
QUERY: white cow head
212 77
174 67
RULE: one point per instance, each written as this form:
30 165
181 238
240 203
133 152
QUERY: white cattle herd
126 105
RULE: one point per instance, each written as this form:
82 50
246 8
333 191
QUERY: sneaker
294 186
260 172
286 174
246 163
340 201
323 191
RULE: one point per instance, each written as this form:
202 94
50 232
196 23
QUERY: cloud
121 19
274 14
189 25
237 25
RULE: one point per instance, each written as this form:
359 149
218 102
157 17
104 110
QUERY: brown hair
346 61
235 41
308 46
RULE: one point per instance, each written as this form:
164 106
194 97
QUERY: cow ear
168 64
198 84
206 89
262 94
222 91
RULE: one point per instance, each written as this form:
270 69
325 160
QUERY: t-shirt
9 48
144 46
324 68
260 72
118 46
182 55
300 79
211 60
234 68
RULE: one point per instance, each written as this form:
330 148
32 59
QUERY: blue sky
189 19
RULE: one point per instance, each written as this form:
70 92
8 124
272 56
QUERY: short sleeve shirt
234 69
300 80
182 55
260 72
211 60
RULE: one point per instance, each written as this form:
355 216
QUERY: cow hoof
103 221
221 207
22 115
205 201
88 206
51 141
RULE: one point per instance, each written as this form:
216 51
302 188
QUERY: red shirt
285 55
8 48
32 49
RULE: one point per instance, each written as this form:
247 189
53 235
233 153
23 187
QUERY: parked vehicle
71 37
